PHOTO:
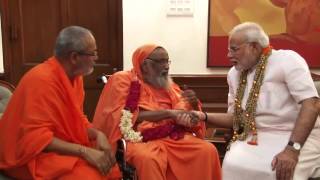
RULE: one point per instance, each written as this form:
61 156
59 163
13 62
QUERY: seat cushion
5 95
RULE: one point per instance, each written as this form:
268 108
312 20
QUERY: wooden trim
6 29
7 85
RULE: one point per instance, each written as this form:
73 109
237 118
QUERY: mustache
164 73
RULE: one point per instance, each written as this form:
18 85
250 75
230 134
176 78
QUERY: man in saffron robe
173 147
44 133
272 110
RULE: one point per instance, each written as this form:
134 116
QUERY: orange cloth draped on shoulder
187 158
44 105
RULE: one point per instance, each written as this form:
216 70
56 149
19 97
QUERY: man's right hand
102 160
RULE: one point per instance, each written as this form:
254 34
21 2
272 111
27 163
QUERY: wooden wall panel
40 24
104 19
212 90
30 27
5 28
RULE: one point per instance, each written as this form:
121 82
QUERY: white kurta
287 82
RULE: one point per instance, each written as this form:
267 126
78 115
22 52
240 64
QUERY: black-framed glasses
84 53
160 61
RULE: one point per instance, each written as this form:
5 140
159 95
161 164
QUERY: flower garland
173 130
126 126
244 120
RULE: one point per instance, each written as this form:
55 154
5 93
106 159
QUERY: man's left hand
284 163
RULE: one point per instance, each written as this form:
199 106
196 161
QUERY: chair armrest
128 171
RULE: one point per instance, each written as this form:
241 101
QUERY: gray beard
160 82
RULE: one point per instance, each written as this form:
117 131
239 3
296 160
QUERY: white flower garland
126 127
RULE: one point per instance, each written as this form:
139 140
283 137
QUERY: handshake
187 118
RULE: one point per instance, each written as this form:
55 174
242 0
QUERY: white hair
72 38
253 32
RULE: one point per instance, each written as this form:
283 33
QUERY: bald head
72 38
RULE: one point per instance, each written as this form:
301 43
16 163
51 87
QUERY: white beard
161 82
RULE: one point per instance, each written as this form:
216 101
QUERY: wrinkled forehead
159 53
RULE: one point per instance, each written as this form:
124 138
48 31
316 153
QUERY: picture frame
295 27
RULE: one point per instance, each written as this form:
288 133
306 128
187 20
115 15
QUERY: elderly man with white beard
146 108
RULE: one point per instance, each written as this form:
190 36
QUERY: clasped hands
101 156
187 118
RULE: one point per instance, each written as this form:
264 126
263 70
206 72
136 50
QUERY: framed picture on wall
290 24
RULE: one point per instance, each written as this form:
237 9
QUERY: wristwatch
295 145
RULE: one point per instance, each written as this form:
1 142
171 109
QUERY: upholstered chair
6 90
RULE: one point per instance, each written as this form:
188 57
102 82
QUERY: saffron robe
45 104
189 158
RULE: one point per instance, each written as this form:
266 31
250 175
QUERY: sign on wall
180 8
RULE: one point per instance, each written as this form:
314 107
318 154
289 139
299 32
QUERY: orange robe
45 105
189 158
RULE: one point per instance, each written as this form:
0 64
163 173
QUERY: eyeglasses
83 53
160 61
235 49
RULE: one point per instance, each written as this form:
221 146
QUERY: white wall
185 38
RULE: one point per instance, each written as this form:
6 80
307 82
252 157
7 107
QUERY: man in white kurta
287 82
280 113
